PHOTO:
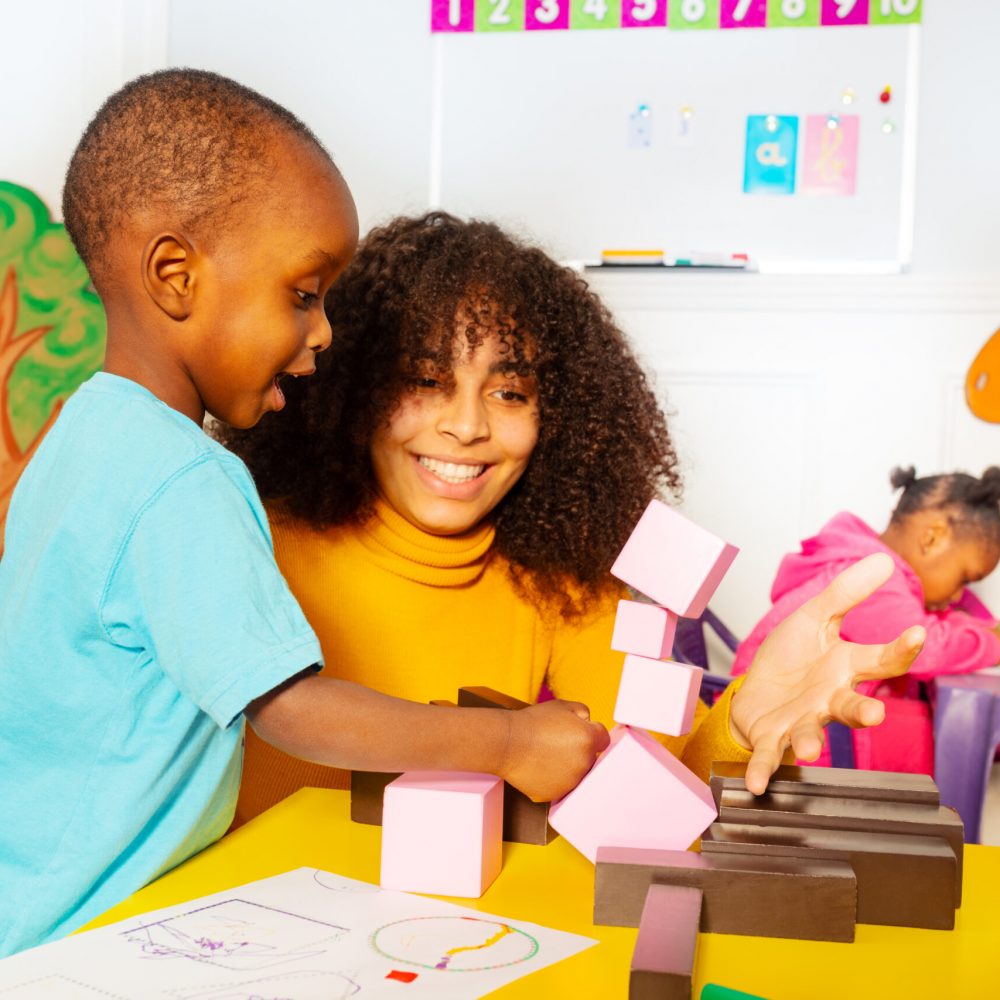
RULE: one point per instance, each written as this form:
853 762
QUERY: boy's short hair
194 140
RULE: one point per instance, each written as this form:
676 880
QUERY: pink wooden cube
657 695
442 832
638 794
673 561
644 629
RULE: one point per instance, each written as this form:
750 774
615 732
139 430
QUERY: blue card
772 141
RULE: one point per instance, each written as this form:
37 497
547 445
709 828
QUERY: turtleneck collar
438 560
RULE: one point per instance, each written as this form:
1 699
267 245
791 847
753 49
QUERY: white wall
793 397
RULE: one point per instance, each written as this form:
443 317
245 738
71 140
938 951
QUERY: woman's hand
804 675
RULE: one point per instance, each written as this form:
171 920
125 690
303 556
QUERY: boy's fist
550 747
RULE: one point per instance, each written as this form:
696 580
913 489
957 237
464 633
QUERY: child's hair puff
603 449
972 505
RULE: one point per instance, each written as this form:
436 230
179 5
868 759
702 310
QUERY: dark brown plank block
524 821
759 896
443 703
367 789
903 881
838 782
663 959
826 812
484 697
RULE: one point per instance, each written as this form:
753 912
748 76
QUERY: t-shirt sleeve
195 584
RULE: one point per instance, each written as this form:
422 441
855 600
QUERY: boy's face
262 283
945 568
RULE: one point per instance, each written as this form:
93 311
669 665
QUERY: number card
895 11
793 13
770 154
453 15
644 13
693 14
844 12
595 14
743 14
546 15
830 156
499 15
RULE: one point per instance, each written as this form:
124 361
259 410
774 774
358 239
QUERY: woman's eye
425 382
510 396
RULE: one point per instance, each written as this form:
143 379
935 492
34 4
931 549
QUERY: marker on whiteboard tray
738 261
632 258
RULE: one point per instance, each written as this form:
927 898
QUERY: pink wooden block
673 561
638 794
644 629
657 695
442 832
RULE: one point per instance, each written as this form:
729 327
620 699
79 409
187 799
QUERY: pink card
743 14
830 160
546 15
644 13
844 12
453 15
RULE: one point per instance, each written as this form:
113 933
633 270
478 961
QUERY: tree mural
52 328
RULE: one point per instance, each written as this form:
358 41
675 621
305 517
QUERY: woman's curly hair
603 448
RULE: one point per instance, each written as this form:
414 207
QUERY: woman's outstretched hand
804 675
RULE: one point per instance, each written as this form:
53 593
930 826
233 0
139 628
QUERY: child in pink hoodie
943 535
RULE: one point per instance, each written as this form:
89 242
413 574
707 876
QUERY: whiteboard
534 130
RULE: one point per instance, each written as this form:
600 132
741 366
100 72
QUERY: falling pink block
657 695
442 832
673 561
638 794
644 629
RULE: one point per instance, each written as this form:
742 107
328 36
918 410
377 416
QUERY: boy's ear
168 274
934 534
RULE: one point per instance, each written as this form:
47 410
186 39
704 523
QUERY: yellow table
554 886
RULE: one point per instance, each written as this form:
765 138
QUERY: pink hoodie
959 639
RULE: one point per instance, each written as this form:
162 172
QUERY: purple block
638 794
657 695
546 15
442 832
673 561
644 629
453 15
841 12
652 14
740 14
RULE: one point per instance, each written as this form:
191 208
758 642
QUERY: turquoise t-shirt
141 611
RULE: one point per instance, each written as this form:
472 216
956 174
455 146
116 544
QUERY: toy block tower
638 795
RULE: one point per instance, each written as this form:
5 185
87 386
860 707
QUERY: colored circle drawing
454 944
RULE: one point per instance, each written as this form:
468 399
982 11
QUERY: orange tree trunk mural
52 329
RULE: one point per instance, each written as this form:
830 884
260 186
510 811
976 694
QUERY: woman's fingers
872 663
850 588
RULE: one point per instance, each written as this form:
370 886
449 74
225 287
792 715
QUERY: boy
141 612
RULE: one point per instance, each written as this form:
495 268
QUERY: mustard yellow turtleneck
419 616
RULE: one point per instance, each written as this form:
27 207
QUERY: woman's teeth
450 472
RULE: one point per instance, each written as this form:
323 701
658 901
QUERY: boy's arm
543 750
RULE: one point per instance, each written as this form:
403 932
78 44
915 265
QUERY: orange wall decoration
52 328
982 384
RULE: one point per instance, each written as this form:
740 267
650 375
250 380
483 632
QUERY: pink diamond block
638 794
442 832
673 561
644 629
657 695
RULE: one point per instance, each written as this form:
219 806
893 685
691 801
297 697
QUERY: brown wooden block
443 703
524 821
367 789
837 782
758 896
903 880
663 959
484 697
826 812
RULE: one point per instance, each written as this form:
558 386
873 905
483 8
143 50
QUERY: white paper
298 936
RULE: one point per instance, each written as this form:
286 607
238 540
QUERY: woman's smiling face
458 440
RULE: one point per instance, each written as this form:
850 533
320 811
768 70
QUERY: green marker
712 992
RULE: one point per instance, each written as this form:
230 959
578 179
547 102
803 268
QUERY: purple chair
690 647
966 736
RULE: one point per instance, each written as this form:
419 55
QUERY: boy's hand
804 674
551 747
